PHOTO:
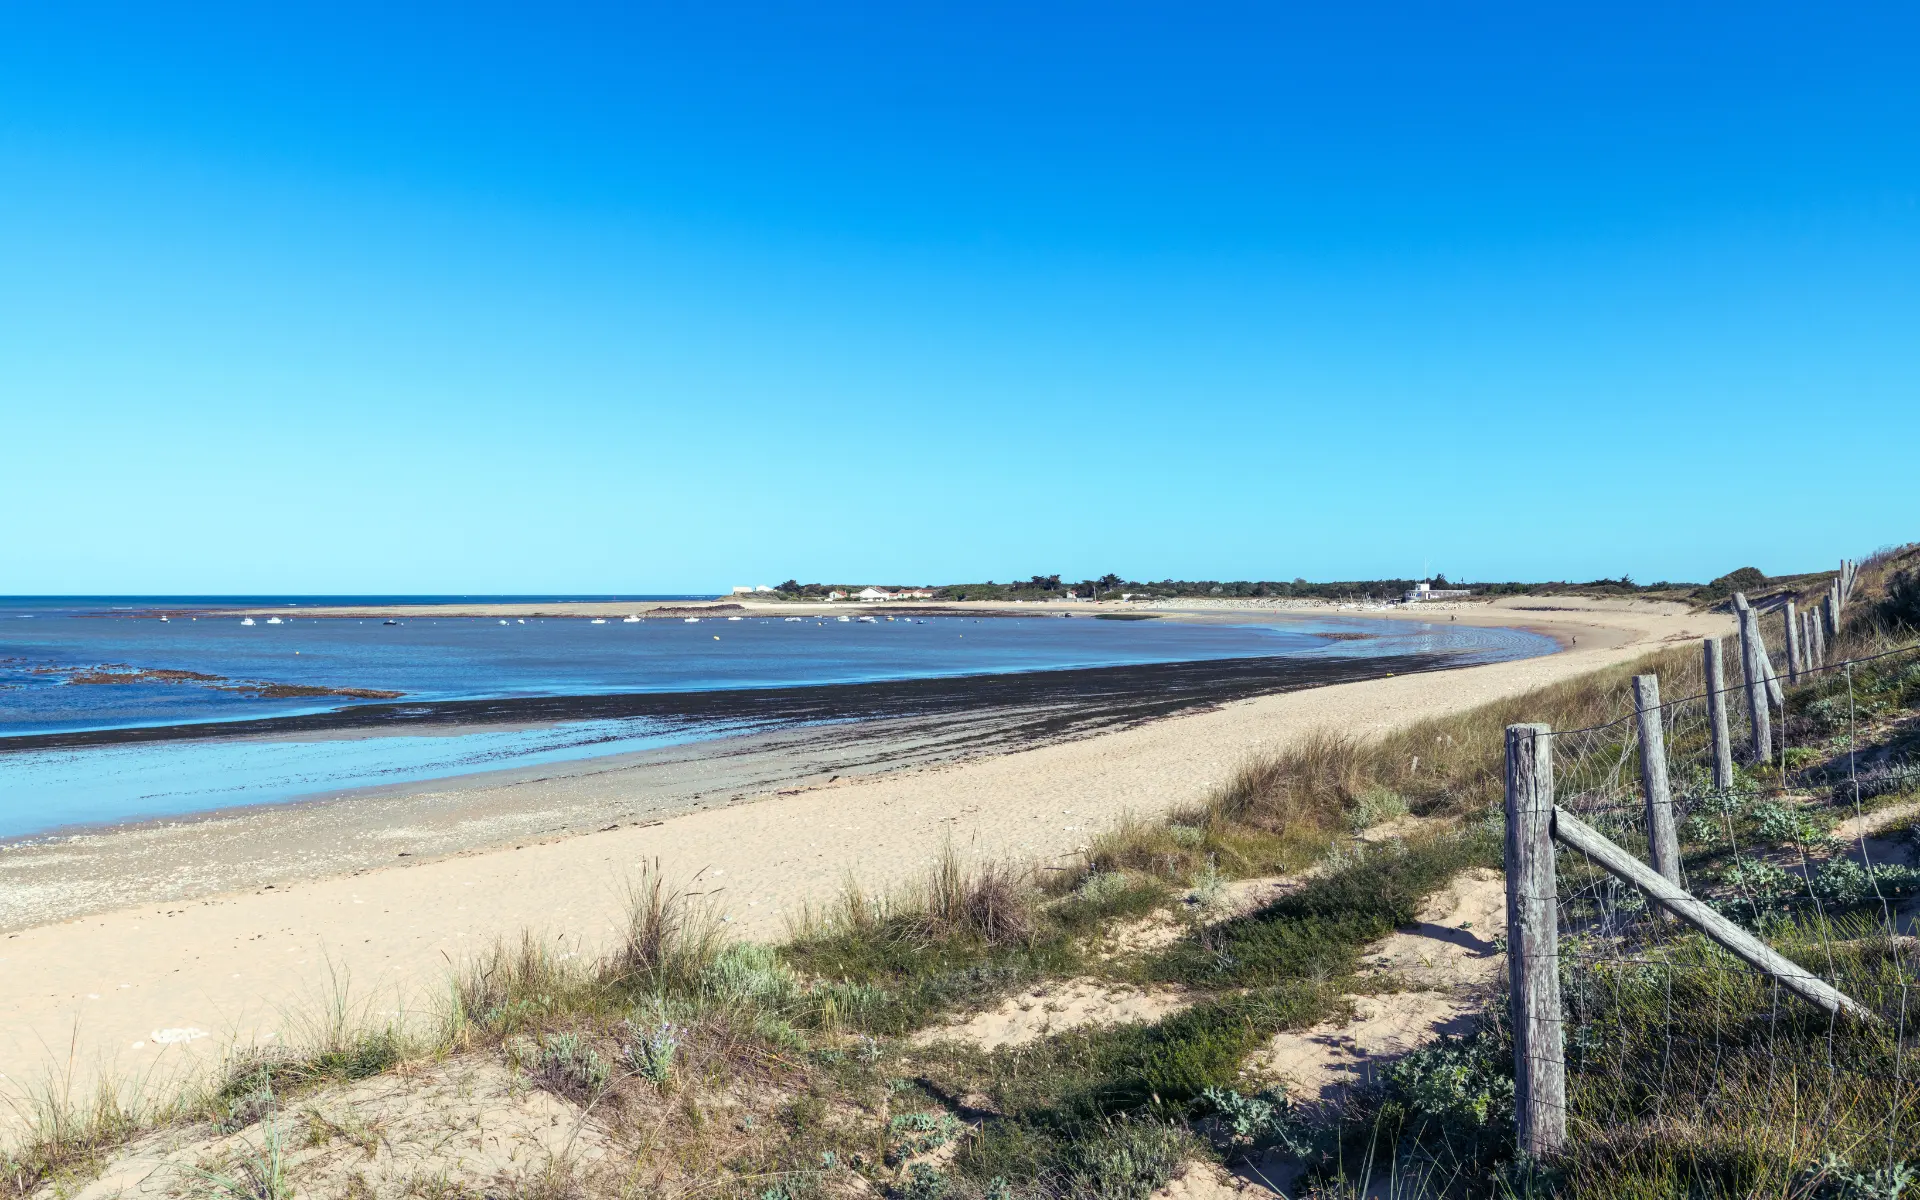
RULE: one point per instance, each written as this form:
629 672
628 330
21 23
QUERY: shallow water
43 647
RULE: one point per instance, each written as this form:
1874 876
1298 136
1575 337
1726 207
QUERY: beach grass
782 1072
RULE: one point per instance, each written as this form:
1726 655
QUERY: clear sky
554 297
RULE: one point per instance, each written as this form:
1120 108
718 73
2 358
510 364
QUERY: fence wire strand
1660 1025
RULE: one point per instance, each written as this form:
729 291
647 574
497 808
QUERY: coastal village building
1426 591
873 593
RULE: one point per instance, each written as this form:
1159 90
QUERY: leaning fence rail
1537 817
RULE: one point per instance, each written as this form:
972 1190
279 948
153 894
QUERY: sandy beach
149 989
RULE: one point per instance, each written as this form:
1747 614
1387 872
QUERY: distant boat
630 619
275 621
503 620
869 620
736 618
522 621
843 619
693 620
599 621
388 621
802 619
249 621
163 618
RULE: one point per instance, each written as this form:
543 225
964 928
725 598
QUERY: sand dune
149 992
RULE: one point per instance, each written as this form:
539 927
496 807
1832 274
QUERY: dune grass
781 1072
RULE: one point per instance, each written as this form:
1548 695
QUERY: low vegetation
715 1068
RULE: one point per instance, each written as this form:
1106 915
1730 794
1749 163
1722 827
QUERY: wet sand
805 737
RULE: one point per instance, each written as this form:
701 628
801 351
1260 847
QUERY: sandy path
90 995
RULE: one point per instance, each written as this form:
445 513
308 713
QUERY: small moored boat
249 621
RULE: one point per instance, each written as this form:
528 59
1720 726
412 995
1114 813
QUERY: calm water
44 645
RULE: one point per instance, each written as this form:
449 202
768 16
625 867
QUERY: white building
1426 591
873 593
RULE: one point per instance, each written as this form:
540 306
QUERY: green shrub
1464 1086
913 1134
1374 805
571 1067
923 1182
1900 607
1253 1124
650 1053
1835 1178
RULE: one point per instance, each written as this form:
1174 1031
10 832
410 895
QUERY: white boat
275 621
630 619
736 618
163 619
869 620
599 621
503 620
790 620
522 621
843 619
246 620
693 620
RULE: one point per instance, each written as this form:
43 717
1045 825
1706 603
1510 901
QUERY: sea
104 663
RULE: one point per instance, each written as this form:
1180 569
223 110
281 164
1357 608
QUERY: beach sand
154 991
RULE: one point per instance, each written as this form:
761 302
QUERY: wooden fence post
1533 944
1717 716
1796 654
1819 637
1663 846
1754 675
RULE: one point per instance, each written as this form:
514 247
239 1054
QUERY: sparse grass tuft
671 938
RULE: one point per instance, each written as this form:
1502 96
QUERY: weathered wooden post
1663 845
1717 716
1819 637
1753 672
1533 944
1796 655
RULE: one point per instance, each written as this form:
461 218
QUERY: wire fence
1812 851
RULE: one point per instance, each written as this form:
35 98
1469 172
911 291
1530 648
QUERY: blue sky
484 298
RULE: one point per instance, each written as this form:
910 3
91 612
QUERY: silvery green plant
572 1066
650 1054
1253 1123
